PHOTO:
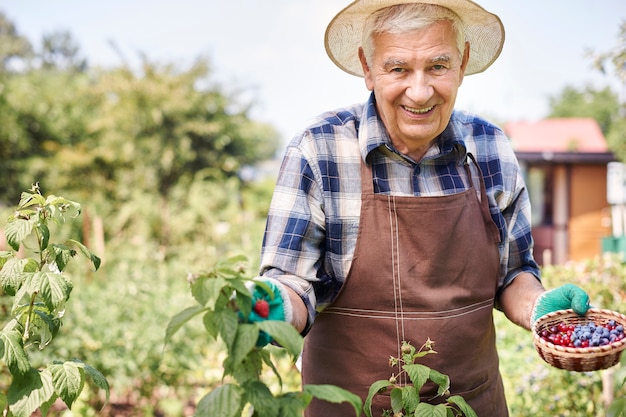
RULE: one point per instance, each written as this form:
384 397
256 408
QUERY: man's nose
419 88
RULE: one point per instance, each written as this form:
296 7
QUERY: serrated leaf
95 260
4 257
396 400
284 334
294 403
180 319
226 323
267 359
418 373
206 290
429 410
44 235
209 324
61 255
442 380
12 275
464 406
223 401
95 377
334 394
410 398
31 199
244 302
54 289
43 327
248 369
245 340
261 398
16 231
375 388
68 381
30 391
14 355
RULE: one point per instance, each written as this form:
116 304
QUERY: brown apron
423 267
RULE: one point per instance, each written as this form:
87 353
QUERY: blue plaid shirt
313 219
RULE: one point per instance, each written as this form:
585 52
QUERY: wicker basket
578 359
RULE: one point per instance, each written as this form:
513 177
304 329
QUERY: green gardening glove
270 301
561 298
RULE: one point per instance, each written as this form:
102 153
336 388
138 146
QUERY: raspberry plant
222 299
405 398
40 291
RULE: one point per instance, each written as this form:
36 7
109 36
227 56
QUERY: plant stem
29 318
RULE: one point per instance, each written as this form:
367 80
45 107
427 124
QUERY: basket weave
578 359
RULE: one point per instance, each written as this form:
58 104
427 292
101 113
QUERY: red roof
582 135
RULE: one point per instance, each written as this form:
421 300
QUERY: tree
601 105
603 61
12 44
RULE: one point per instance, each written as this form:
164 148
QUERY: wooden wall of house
589 211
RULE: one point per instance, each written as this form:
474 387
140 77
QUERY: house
565 165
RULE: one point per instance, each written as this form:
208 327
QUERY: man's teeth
418 111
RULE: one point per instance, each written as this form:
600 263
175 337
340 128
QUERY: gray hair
403 18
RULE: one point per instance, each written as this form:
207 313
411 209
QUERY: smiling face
415 77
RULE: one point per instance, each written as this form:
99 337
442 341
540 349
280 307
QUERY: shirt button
416 170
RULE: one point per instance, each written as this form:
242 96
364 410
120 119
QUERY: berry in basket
573 342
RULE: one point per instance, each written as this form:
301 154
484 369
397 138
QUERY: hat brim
483 30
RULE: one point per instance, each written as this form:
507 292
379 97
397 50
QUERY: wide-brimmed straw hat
483 30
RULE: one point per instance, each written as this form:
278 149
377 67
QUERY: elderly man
403 219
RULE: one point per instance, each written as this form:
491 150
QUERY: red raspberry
262 308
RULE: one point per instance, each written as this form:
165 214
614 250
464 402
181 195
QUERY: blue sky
273 49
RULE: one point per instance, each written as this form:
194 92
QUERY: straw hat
483 30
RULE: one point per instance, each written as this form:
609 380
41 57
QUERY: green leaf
442 380
267 359
293 404
31 199
30 391
14 355
376 388
261 398
180 319
429 410
209 324
410 398
95 261
617 408
68 380
334 394
418 373
44 235
206 290
231 267
61 255
244 302
16 231
226 323
43 326
396 400
95 377
284 334
12 275
54 289
223 401
245 340
465 407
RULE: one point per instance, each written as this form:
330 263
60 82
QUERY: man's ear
466 55
367 74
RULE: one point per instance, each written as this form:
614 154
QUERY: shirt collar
373 135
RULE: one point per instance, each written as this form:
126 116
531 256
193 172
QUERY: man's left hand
561 298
